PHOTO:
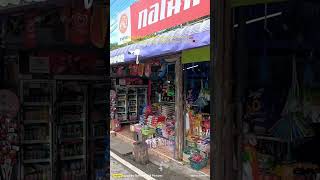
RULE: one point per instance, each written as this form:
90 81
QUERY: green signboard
196 55
236 3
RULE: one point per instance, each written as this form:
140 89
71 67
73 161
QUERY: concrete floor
167 172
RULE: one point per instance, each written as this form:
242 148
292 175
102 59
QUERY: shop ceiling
26 6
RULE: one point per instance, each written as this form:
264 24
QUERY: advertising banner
151 16
146 17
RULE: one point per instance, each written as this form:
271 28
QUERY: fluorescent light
192 67
260 18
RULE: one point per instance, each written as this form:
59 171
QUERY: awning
188 37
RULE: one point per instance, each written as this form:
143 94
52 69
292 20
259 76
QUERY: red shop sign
150 16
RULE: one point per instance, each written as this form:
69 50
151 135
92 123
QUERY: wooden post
241 71
179 100
221 66
140 152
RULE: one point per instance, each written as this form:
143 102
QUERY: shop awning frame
188 37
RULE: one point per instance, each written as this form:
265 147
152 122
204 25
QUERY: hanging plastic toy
163 71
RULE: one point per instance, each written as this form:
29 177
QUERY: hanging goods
293 125
98 25
202 100
78 26
9 103
147 71
163 71
9 107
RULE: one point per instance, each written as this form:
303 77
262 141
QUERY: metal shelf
70 118
35 142
36 161
71 122
28 105
70 158
71 103
78 77
35 122
72 139
101 102
36 103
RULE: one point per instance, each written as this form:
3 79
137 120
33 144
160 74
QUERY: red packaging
30 31
133 69
79 26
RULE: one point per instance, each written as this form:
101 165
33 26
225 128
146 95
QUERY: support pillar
179 109
222 81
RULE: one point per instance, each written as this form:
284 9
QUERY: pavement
157 168
117 170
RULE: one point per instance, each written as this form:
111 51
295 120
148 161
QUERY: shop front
145 104
280 120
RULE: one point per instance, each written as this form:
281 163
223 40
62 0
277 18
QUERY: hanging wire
266 19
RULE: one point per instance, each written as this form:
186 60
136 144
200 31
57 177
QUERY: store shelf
101 102
36 103
78 77
98 138
72 139
71 122
166 102
36 139
35 142
71 103
70 158
35 122
36 161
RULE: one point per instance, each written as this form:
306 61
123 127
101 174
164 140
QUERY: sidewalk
122 144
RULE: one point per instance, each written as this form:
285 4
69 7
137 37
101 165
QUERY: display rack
130 102
37 101
142 96
122 102
98 106
72 129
